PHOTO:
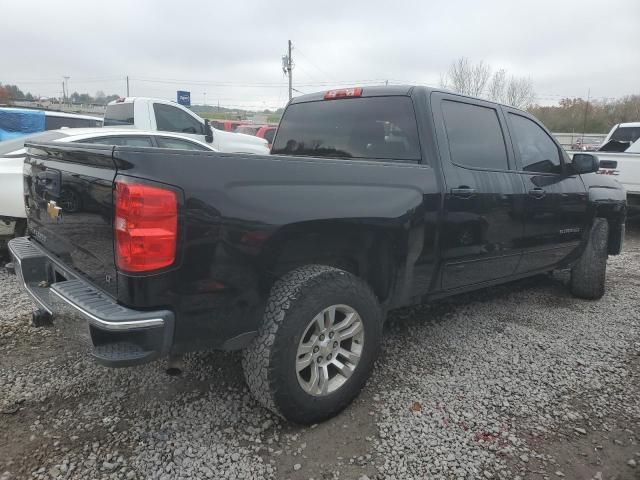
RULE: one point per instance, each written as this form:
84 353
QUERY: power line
312 63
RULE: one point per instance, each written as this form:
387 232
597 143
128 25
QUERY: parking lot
518 381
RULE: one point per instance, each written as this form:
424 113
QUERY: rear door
482 224
68 192
556 201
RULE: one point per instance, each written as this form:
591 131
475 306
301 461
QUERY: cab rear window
381 128
119 114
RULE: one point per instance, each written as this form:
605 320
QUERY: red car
227 125
263 131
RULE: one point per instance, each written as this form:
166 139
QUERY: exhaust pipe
175 365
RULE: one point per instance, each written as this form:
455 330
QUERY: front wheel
589 273
317 345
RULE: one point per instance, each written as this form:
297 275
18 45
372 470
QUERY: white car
12 152
156 114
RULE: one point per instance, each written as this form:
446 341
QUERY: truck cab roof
390 90
373 91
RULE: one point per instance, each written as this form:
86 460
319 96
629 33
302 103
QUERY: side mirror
208 131
585 163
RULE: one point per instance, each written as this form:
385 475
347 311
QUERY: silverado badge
54 210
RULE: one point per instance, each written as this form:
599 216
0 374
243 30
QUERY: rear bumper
118 336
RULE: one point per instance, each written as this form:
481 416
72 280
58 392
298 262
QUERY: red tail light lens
343 93
145 226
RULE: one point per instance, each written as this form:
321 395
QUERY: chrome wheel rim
329 350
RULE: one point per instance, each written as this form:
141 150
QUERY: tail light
343 93
145 226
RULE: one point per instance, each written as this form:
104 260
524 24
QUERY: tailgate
69 197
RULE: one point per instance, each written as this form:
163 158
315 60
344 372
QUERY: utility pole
64 95
127 85
205 99
287 67
65 85
586 109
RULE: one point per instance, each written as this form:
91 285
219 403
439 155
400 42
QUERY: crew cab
162 115
373 198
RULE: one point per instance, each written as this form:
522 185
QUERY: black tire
20 228
269 361
589 273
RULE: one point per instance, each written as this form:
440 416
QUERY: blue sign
184 98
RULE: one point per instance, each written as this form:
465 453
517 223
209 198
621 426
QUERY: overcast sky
232 49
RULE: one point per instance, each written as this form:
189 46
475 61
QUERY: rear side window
165 142
119 114
626 134
172 119
538 153
475 136
128 140
53 122
371 127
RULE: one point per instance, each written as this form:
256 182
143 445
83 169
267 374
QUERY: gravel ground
519 381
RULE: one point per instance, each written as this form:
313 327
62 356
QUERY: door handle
463 192
537 192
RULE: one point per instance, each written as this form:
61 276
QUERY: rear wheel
589 273
317 345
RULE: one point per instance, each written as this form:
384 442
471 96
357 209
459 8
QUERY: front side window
172 119
166 142
367 127
475 136
538 153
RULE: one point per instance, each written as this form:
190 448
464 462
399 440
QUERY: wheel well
364 252
615 219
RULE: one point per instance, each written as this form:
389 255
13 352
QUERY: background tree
466 78
476 80
4 95
569 115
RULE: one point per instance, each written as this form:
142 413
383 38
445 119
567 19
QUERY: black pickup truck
373 198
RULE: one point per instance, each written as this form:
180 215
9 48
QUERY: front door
555 211
482 224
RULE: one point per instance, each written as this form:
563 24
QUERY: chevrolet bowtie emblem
53 210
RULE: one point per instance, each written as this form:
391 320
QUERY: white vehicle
155 114
624 137
619 156
12 152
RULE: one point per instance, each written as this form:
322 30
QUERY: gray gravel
519 381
